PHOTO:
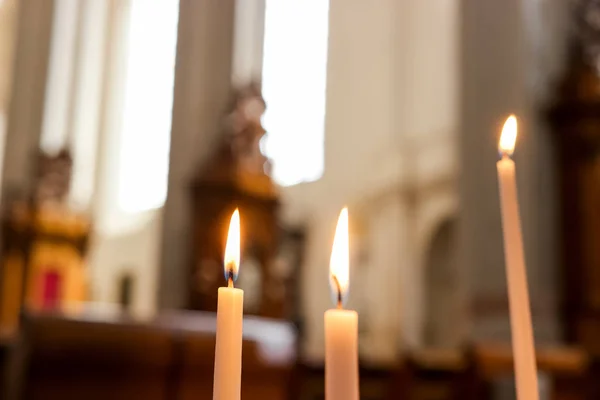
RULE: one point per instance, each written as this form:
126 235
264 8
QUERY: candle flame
231 261
339 263
508 136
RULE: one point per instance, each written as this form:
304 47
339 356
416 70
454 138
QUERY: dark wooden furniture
5 348
213 205
436 374
567 368
64 359
236 176
574 117
268 356
576 123
37 243
111 356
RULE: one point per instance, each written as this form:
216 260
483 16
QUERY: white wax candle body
228 350
520 314
341 355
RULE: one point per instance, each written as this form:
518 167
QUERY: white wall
427 52
390 126
390 139
202 89
133 251
32 23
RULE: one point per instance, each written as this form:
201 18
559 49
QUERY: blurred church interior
131 129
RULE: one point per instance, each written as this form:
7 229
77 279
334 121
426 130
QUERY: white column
426 51
492 41
360 73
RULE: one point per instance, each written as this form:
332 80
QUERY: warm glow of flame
508 136
339 264
232 249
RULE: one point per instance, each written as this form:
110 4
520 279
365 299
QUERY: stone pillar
492 87
394 311
202 88
425 103
498 63
249 33
8 30
32 47
8 27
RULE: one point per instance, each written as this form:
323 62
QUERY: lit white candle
228 350
520 314
341 326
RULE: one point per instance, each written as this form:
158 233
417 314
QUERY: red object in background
51 286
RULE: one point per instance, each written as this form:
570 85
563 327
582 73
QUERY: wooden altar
237 176
43 245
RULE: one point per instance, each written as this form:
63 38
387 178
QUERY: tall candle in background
228 350
520 314
341 326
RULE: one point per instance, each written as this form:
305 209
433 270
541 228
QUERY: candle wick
230 279
505 154
339 291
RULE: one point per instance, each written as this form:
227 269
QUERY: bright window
144 157
294 83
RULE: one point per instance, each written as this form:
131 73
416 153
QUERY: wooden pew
268 358
64 359
309 383
114 357
436 374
